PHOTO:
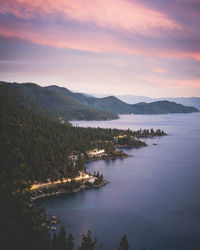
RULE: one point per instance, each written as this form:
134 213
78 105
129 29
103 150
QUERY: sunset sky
144 47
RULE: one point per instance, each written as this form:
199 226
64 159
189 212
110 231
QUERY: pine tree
124 243
70 244
88 243
54 241
61 241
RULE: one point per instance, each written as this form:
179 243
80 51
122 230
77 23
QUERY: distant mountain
133 99
58 104
161 107
110 103
187 101
115 105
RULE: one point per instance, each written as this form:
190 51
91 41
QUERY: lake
153 196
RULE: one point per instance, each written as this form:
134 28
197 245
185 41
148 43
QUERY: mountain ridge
59 105
109 103
66 105
186 101
161 107
115 105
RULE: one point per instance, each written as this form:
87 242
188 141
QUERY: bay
153 196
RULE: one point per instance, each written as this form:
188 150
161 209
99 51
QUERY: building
73 157
119 137
96 152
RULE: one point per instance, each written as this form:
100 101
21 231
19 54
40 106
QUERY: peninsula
84 180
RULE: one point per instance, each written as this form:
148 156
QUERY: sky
135 47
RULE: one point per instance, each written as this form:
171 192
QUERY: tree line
61 241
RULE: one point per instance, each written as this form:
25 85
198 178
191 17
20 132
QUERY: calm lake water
153 196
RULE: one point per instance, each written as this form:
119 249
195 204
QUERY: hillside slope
60 105
115 105
45 145
25 101
109 104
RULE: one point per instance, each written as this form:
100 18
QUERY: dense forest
56 105
34 147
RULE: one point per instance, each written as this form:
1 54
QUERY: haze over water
152 196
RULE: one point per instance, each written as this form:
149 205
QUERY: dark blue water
153 196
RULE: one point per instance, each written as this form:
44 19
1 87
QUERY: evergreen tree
70 244
88 243
61 241
54 241
101 178
124 243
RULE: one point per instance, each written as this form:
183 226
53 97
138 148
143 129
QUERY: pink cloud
115 14
60 39
169 82
150 82
182 83
90 41
127 16
191 1
159 70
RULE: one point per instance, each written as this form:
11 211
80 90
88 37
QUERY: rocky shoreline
64 189
113 157
75 186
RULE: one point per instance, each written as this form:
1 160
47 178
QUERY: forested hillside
62 105
110 103
46 145
58 105
115 105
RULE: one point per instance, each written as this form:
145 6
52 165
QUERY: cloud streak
93 42
119 14
134 30
110 26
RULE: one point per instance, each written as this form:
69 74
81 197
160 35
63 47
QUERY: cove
152 196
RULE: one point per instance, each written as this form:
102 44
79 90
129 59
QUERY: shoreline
51 189
82 176
59 190
108 158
